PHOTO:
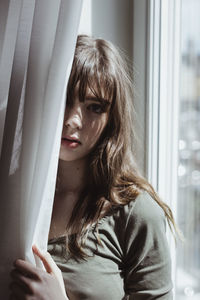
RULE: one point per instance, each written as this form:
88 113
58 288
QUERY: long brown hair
115 179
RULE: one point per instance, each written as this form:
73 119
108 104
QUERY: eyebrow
101 100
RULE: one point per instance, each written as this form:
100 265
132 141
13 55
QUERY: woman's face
83 125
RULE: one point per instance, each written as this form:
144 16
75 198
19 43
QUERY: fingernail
15 262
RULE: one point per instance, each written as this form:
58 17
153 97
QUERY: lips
70 142
71 139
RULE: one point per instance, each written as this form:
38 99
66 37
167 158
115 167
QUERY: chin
64 158
68 157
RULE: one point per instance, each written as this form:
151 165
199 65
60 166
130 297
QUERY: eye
96 108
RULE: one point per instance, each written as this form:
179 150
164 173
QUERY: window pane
188 253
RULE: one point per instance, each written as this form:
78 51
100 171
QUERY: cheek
98 127
95 129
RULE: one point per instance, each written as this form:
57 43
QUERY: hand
32 283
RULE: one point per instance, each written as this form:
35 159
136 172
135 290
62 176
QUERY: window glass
188 253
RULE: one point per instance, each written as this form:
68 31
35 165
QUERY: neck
72 176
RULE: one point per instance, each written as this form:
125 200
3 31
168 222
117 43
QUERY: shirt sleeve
147 259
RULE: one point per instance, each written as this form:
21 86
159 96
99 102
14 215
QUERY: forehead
94 92
82 87
91 92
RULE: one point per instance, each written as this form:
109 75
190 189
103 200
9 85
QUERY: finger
50 266
21 280
26 268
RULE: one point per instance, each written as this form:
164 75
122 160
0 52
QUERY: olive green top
132 263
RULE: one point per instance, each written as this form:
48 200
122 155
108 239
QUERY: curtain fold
37 41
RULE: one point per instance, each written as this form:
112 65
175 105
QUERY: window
188 202
173 101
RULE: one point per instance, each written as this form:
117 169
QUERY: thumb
50 265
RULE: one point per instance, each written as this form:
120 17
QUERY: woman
107 231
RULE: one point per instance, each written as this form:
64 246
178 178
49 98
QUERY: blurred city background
188 206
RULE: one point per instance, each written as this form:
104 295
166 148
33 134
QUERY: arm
148 264
30 281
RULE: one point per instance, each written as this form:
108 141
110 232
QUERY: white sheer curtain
37 41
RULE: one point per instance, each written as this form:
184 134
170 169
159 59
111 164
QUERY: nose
73 117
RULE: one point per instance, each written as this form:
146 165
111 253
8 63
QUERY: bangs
93 75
